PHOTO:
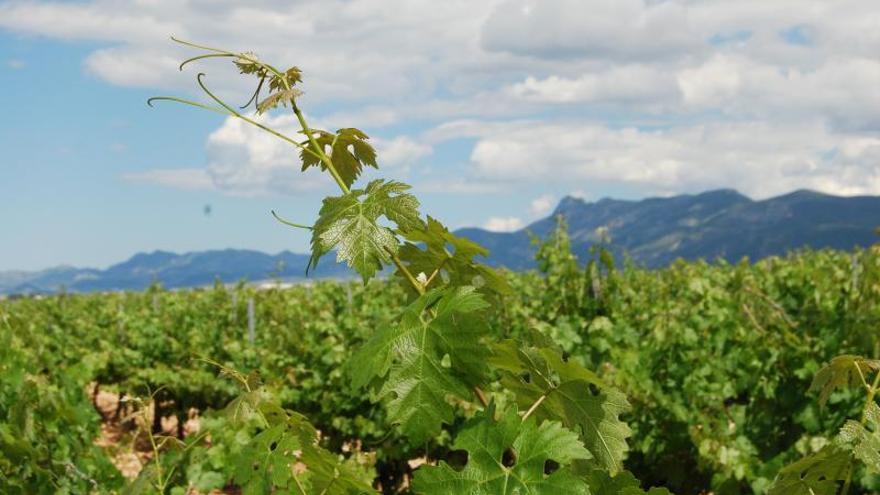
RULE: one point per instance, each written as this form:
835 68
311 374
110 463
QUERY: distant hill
172 270
653 232
715 224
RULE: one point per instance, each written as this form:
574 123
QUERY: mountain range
652 232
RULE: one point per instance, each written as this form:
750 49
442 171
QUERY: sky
493 110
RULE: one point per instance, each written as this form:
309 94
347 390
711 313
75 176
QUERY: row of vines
716 360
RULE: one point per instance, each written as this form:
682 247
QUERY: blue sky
493 111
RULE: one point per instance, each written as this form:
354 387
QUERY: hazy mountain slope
653 231
715 224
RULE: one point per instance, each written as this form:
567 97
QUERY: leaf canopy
509 456
431 247
433 353
269 461
864 439
816 474
624 483
349 150
571 394
841 372
350 225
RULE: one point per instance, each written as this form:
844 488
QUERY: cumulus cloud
625 84
757 158
658 96
503 224
541 205
616 29
401 151
843 91
243 160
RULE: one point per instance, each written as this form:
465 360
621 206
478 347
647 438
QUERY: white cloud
401 151
843 91
15 64
503 224
662 96
458 186
756 158
618 29
243 160
137 68
89 21
623 84
541 205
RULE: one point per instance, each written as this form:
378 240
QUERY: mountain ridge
716 224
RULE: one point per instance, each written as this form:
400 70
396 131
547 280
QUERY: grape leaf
624 483
249 63
434 352
508 456
865 442
282 97
268 462
350 225
843 371
349 151
816 474
458 266
571 393
327 475
291 76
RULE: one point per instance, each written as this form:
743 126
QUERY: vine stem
872 392
408 274
481 396
534 406
317 147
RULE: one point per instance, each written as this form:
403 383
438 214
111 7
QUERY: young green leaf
428 252
843 371
429 356
349 151
508 457
623 483
816 474
327 474
864 439
249 63
282 97
350 225
564 390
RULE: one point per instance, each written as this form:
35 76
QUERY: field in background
716 359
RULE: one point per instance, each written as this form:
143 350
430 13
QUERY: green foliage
349 152
566 391
285 456
843 371
432 354
623 483
47 427
509 456
864 438
817 474
350 225
428 252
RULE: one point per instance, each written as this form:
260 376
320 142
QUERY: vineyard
716 361
436 374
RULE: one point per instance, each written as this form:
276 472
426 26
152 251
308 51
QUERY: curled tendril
291 224
209 55
255 98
